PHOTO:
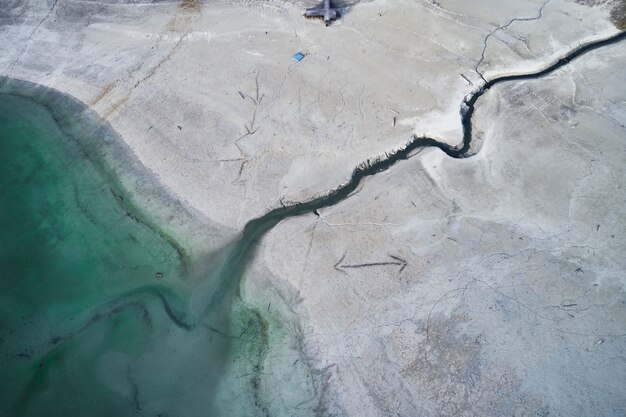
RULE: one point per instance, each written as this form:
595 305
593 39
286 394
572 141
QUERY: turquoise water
98 312
64 230
94 317
84 280
69 246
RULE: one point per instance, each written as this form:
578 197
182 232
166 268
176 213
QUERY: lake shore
436 285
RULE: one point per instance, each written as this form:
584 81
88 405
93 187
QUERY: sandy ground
500 284
210 99
511 300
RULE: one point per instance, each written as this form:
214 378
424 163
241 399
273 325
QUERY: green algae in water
91 323
94 319
68 245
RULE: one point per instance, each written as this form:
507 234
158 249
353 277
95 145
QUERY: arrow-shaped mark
395 260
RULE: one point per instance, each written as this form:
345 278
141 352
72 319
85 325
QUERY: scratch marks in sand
31 36
251 126
166 58
504 27
391 261
177 31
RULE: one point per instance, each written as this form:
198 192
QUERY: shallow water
103 311
94 306
98 315
68 245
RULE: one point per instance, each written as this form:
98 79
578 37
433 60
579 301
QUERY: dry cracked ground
493 285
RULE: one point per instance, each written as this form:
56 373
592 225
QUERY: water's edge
223 290
255 229
137 189
233 269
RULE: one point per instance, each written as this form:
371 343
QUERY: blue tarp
299 56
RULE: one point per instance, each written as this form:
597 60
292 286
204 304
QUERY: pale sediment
509 261
210 141
219 111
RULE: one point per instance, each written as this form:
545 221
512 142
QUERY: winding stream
232 271
229 325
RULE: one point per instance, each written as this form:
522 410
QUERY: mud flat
440 286
488 285
209 98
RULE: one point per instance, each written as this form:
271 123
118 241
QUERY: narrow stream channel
232 270
142 335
